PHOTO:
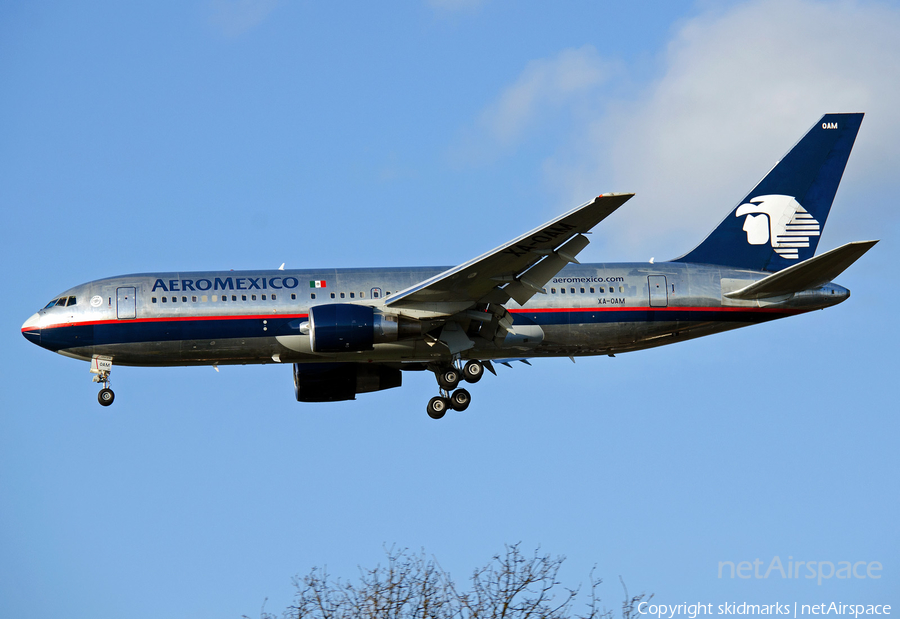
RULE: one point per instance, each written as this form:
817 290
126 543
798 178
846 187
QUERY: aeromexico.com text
586 280
792 569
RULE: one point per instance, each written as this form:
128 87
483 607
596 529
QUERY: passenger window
243 297
572 290
362 295
332 295
273 296
592 291
582 291
553 291
293 297
312 295
194 299
164 299
621 288
215 298
174 299
562 291
153 299
352 295
184 299
203 298
263 297
342 295
224 297
234 297
253 297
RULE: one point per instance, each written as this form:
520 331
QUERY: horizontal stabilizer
811 273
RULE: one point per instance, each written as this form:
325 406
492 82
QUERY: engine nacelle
344 327
333 382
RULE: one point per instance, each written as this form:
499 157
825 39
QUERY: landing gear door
125 303
659 296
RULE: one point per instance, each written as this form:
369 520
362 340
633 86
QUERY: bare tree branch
412 586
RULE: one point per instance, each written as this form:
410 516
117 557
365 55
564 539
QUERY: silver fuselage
231 317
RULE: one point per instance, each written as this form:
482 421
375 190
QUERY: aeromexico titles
351 331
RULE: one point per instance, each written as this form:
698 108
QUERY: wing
516 270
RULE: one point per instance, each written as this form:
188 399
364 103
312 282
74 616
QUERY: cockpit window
61 302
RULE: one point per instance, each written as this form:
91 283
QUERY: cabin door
125 302
658 295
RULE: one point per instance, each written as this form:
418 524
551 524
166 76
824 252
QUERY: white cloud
544 85
737 89
564 84
234 17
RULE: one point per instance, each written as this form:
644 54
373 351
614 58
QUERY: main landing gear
448 379
101 367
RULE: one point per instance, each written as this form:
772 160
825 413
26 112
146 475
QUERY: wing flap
534 279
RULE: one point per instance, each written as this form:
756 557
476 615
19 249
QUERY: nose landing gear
106 396
101 367
448 379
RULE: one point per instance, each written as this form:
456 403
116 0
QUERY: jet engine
333 382
344 327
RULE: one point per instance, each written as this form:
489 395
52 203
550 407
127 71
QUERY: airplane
353 331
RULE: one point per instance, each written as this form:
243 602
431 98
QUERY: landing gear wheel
448 379
460 400
106 396
437 407
473 371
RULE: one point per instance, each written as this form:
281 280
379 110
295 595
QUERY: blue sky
244 134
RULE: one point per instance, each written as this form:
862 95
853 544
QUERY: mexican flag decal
319 283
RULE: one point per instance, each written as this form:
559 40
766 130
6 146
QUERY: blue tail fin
778 224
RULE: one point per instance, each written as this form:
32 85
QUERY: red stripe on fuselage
536 310
669 308
168 319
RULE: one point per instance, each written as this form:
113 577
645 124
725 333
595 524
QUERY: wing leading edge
516 270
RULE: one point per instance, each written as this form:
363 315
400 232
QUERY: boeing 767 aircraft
351 331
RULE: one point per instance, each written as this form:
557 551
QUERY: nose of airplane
31 329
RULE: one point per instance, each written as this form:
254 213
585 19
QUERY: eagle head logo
779 220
